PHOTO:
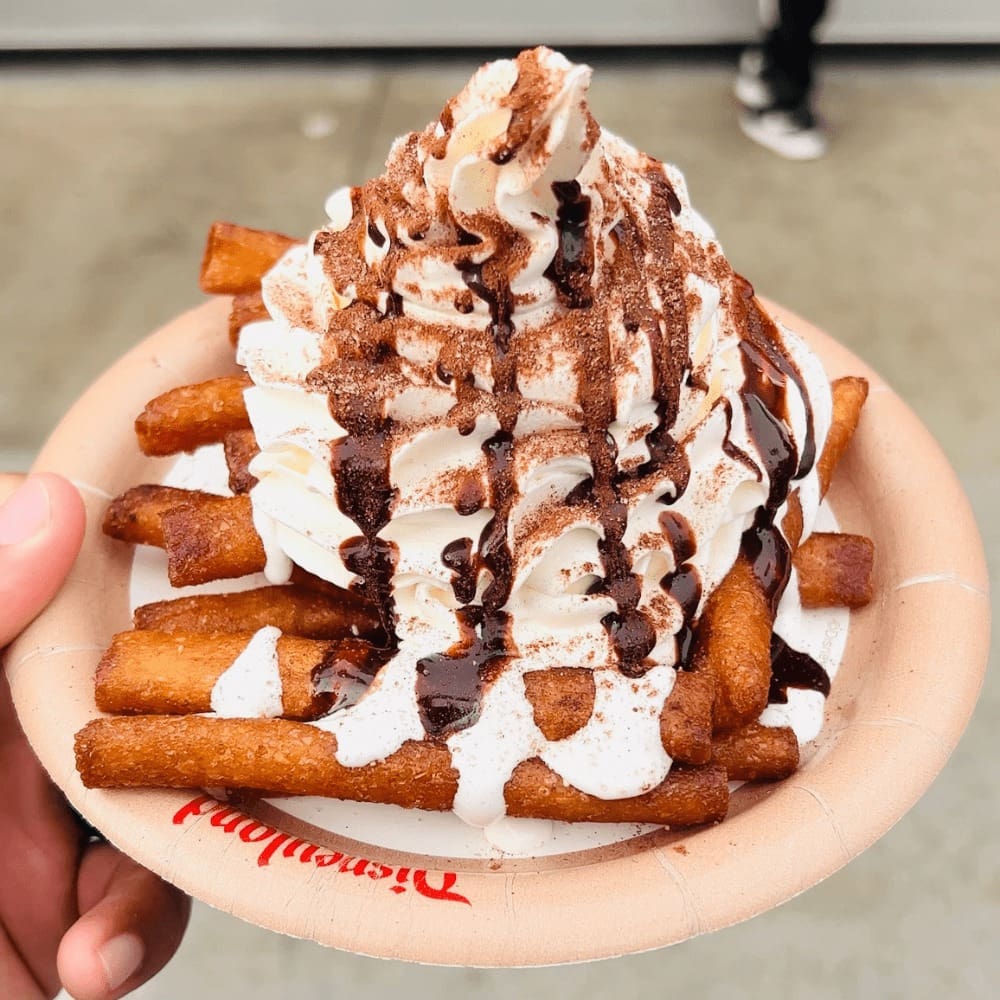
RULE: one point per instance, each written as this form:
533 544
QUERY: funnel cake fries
236 258
529 470
149 672
146 672
291 759
186 418
171 663
835 570
295 609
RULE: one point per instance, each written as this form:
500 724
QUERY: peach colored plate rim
894 717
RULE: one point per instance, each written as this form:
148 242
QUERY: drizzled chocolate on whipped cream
514 394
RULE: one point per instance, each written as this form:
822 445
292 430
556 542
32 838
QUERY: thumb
131 923
41 528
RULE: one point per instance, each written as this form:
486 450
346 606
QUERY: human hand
72 913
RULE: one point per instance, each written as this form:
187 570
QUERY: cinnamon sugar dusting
531 351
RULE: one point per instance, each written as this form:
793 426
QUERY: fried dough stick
291 758
135 515
207 537
733 645
248 307
240 450
160 673
849 395
686 720
689 796
273 755
835 570
732 641
189 416
757 753
174 673
237 257
211 540
296 610
792 523
562 702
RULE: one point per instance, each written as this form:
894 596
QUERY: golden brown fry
561 700
835 570
687 797
241 449
733 644
282 757
155 672
189 416
686 720
248 307
293 609
757 753
273 755
849 395
211 538
162 673
236 257
135 515
791 523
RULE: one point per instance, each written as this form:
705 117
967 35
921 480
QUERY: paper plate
906 688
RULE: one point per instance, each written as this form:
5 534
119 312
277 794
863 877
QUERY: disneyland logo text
275 845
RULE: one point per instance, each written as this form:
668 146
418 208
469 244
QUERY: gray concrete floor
110 175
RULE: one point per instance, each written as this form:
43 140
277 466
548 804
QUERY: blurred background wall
61 24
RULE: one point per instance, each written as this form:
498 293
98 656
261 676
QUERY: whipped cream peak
514 393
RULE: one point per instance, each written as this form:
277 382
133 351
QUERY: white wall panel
231 23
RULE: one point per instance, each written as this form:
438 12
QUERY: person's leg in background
775 83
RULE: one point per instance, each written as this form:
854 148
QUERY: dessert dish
532 474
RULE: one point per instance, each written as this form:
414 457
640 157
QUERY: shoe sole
792 146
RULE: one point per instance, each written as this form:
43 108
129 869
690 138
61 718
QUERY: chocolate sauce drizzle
792 668
767 371
669 343
345 672
572 267
765 404
360 465
375 234
457 556
631 632
450 684
762 345
734 451
684 583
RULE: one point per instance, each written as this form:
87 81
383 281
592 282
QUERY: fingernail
121 958
25 513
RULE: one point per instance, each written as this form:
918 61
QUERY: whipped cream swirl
514 394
